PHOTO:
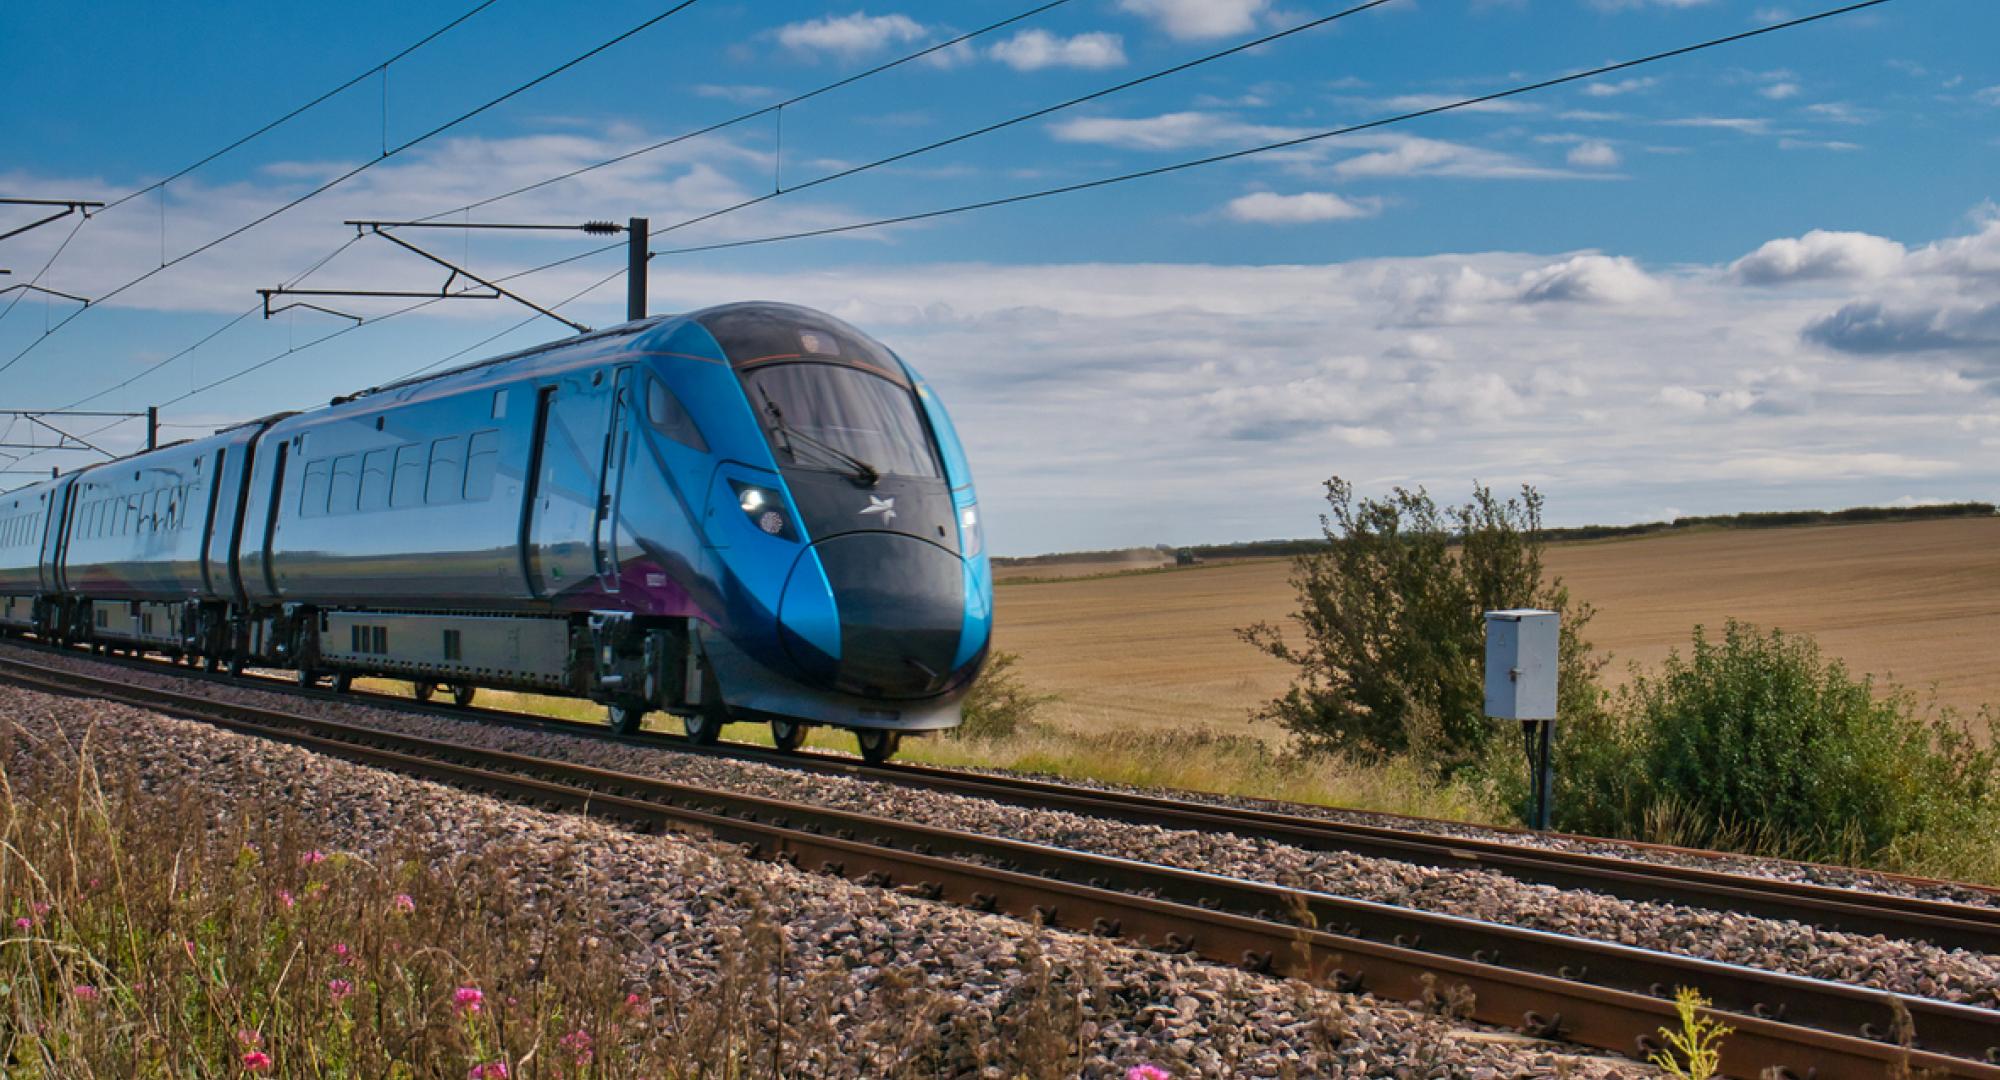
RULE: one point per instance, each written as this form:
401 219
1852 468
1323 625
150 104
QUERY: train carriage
750 512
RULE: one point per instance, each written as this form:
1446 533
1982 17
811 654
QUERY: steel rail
1942 922
1801 1025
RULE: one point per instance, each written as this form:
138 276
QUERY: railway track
1584 991
1941 922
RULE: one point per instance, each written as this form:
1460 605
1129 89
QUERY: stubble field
1916 603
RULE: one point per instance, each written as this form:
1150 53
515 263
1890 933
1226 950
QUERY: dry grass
146 937
1913 602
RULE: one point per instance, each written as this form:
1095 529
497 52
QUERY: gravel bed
1841 877
678 907
1908 967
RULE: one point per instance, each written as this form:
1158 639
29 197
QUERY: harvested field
1917 603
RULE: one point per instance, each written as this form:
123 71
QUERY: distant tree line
1766 519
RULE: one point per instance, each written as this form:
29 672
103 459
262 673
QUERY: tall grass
145 935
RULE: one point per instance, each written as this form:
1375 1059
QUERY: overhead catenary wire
1399 118
766 110
360 168
251 137
1282 144
818 91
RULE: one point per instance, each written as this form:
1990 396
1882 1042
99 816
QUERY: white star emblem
879 505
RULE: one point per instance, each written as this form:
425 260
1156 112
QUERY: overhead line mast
815 92
387 153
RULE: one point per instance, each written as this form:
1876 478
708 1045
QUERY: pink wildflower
285 899
40 909
340 951
85 992
339 989
468 999
405 905
256 1061
1147 1072
188 944
578 1043
312 857
492 1070
23 923
250 1038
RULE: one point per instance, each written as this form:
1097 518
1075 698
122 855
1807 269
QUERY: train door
573 425
617 448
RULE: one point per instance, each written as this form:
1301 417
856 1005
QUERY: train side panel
137 527
24 536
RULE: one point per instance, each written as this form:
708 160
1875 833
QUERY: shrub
1390 610
999 705
1760 741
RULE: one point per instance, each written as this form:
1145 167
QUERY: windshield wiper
859 471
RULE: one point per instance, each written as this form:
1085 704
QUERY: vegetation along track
1951 925
1590 992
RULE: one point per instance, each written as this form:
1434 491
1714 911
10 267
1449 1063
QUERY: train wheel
236 667
877 746
701 728
343 681
462 694
788 735
422 691
625 719
306 676
211 663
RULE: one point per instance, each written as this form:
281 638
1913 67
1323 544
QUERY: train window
131 523
482 460
374 480
499 404
828 416
670 417
407 489
343 493
312 493
447 471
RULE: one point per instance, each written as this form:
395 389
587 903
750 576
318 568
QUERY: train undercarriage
630 664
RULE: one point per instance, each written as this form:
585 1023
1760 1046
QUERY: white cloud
1592 279
1617 87
1191 19
1151 402
1744 125
849 36
1988 96
1819 255
1420 102
1032 50
1168 131
1271 208
1838 112
1780 91
1595 154
742 95
1408 155
1789 143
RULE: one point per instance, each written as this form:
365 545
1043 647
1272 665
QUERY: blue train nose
883 620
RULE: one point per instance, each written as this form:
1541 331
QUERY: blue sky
1765 276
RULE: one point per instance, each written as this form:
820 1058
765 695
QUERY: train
750 513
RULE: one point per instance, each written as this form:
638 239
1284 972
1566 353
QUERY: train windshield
840 418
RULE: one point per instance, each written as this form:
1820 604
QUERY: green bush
1759 741
999 705
1390 613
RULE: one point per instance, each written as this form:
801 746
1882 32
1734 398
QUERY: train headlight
971 538
765 508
